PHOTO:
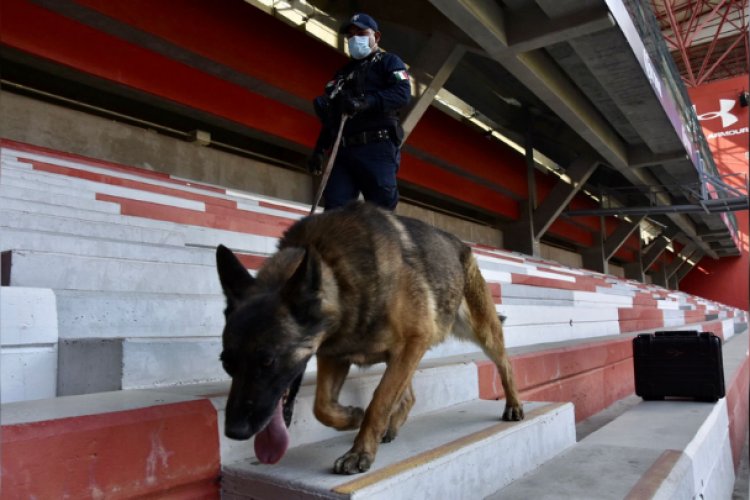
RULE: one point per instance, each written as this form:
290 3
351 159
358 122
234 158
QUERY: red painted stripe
593 281
644 299
634 319
714 327
479 249
83 160
251 261
90 162
249 222
590 392
422 173
557 271
591 375
524 279
694 316
571 232
285 208
441 136
30 28
141 186
496 291
115 455
242 26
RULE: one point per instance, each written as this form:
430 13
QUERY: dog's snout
238 430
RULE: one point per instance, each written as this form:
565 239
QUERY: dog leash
329 165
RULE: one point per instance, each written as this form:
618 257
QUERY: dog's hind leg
331 376
399 415
487 331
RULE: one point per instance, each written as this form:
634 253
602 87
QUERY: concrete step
437 384
463 451
655 449
146 189
105 315
77 187
39 241
68 271
111 364
120 230
85 201
536 296
190 235
28 344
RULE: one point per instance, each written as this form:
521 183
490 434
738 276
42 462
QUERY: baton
329 165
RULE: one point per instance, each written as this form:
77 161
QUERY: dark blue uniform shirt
368 160
383 81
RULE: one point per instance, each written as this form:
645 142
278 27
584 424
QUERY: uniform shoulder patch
401 74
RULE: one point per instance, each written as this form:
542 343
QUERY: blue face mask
359 47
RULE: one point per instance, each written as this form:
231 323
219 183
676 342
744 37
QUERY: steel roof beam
486 23
526 31
685 269
650 255
619 236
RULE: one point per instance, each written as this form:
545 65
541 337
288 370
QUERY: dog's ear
234 277
301 290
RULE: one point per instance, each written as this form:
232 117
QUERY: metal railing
712 186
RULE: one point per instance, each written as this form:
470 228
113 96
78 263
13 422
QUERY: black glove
354 105
315 163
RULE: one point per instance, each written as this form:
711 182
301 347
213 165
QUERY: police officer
370 89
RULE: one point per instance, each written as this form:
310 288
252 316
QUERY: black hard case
684 364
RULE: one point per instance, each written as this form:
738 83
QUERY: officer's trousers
369 169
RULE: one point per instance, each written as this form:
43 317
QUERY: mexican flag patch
401 75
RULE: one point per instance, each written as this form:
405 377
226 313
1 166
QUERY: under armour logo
727 118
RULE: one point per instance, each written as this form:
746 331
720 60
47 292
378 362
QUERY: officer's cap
362 21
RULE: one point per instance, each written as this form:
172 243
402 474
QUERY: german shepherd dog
352 285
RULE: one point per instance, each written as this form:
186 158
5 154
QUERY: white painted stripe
554 276
582 298
496 276
524 335
251 201
277 201
251 207
570 316
676 319
147 196
134 194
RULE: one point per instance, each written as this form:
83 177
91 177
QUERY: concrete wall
42 124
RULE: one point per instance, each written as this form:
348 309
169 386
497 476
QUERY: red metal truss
708 38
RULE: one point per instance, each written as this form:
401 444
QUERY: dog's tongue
271 443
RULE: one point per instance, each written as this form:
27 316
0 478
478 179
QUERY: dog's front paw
513 413
353 462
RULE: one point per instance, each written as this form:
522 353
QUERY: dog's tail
483 318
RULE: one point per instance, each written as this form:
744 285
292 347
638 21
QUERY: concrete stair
445 454
128 255
437 385
453 446
656 449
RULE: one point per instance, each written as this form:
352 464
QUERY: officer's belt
366 138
